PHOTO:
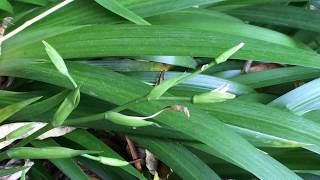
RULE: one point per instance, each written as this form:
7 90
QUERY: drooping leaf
10 110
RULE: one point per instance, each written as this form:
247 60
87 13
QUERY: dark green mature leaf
276 76
113 87
89 141
67 166
266 119
280 15
118 8
35 2
203 21
178 158
103 40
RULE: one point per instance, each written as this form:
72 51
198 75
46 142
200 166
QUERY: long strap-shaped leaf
103 40
89 141
113 87
280 15
118 8
181 160
67 166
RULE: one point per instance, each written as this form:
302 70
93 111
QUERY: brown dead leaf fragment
8 128
263 67
180 108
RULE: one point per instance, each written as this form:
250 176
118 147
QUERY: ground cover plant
160 89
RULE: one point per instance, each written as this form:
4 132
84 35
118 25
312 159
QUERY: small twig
35 19
134 154
247 66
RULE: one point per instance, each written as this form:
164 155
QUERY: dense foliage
160 89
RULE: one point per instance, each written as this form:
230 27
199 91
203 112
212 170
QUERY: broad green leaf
177 157
89 141
6 6
113 87
203 21
116 7
302 99
289 16
67 166
9 171
103 40
276 76
10 110
267 120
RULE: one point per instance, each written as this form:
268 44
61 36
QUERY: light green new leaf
118 8
65 109
58 62
163 87
10 110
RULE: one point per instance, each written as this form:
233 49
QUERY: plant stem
83 120
188 99
36 134
131 103
101 116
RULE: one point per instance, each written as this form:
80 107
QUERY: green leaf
267 120
177 157
198 84
58 62
103 40
35 2
289 16
121 10
163 87
276 76
67 166
10 110
302 99
113 87
6 6
184 61
89 141
6 172
202 20
67 106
